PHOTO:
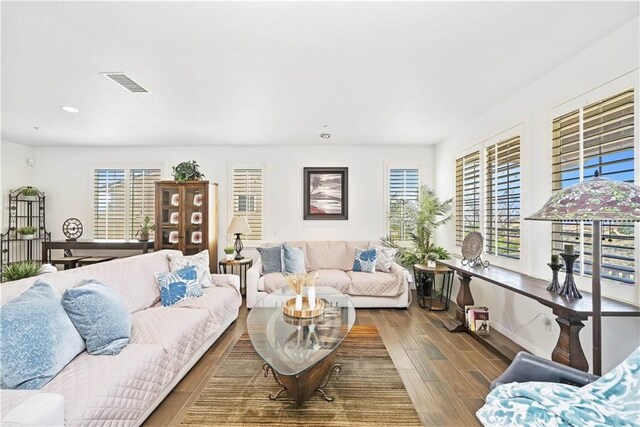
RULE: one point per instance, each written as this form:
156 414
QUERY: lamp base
238 247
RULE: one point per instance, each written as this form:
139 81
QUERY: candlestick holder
554 286
569 288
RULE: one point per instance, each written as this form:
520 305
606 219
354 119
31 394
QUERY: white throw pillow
200 261
385 257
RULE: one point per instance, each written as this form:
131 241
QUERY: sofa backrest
132 277
327 254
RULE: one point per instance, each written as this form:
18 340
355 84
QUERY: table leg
568 350
463 299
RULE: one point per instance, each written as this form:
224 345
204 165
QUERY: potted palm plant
145 227
419 221
27 233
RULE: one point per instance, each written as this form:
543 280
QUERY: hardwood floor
447 375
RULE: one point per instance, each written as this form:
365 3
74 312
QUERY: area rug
368 392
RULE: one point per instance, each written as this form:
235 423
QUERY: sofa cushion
99 315
112 390
323 255
272 282
365 260
376 284
218 302
178 285
179 331
385 257
199 261
292 260
271 259
38 338
336 279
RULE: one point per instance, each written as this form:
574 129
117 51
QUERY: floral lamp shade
596 199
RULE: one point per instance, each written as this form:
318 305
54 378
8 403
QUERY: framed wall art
326 193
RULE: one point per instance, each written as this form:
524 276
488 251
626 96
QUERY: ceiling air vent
125 81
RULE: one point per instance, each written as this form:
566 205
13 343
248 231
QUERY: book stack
477 319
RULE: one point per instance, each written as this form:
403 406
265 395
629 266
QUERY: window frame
251 244
127 183
387 189
610 288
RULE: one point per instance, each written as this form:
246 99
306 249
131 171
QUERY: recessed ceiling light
325 135
70 109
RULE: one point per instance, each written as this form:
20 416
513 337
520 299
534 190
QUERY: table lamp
238 226
594 200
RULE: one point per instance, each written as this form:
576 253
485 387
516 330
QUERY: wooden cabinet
187 218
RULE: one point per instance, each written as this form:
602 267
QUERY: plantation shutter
602 135
248 198
109 198
141 196
404 188
502 213
467 195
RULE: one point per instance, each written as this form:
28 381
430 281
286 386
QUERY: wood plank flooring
447 375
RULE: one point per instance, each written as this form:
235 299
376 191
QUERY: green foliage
19 270
229 250
30 192
27 230
187 171
421 219
146 226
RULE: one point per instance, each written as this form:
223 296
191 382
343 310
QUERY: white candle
311 295
298 303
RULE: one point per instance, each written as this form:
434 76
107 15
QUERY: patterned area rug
368 392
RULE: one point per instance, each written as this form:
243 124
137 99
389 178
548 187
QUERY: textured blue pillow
365 260
99 315
271 259
38 338
178 285
292 260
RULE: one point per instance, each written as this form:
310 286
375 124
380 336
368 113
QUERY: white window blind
598 137
467 195
121 199
141 196
502 197
109 204
404 189
248 198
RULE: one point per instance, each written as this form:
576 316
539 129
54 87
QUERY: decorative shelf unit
24 211
187 218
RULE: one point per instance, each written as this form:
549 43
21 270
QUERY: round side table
426 286
243 265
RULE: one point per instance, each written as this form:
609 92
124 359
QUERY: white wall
14 172
65 174
606 60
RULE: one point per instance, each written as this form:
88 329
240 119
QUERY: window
248 198
404 189
467 195
502 208
598 137
121 198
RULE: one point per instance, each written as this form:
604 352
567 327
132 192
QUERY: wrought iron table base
337 368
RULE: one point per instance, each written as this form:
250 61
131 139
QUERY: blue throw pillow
99 315
365 260
178 285
38 338
292 260
271 259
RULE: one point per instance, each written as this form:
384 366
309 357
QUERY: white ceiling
274 73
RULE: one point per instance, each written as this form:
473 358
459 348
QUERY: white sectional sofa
165 343
333 260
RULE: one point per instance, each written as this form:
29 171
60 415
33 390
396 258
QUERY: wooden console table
570 312
102 245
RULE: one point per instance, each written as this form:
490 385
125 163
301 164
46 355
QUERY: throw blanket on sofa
613 400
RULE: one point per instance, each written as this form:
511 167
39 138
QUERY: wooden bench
68 262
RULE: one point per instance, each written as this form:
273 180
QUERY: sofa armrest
231 280
527 367
253 275
40 409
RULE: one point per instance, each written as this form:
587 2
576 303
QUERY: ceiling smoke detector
325 135
125 82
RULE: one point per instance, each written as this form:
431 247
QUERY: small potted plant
228 251
187 171
30 194
27 233
19 270
145 228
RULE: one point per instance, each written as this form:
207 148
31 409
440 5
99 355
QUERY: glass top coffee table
300 351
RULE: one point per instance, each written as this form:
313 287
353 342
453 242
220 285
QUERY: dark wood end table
243 265
426 286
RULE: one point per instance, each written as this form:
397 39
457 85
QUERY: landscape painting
325 193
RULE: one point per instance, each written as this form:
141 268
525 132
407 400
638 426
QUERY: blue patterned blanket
613 400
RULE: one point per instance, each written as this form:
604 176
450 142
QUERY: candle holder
569 288
554 286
